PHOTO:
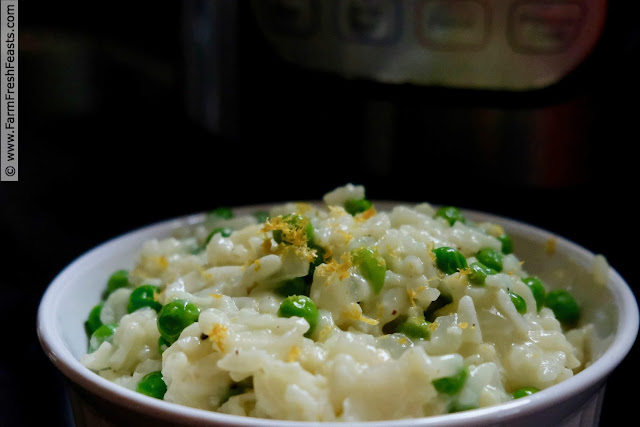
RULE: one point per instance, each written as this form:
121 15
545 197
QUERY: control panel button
480 44
544 27
452 24
369 21
296 18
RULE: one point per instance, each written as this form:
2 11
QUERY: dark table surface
107 145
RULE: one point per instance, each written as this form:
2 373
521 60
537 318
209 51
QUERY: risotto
335 312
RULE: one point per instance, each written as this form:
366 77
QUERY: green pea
371 266
163 345
357 206
415 328
277 236
450 213
449 260
224 231
459 407
300 306
143 296
119 279
507 244
320 254
152 385
518 302
564 306
93 322
442 300
221 212
196 251
234 390
453 384
296 286
310 233
102 334
296 221
479 273
261 216
317 260
174 317
537 289
490 258
524 391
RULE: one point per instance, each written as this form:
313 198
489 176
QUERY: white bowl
612 308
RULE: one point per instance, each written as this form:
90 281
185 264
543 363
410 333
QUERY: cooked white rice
351 368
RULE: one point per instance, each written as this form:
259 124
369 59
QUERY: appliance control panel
481 44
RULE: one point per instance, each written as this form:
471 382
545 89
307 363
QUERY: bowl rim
53 345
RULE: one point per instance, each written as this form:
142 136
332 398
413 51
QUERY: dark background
107 144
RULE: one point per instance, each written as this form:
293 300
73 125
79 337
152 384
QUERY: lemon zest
294 353
363 216
218 334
